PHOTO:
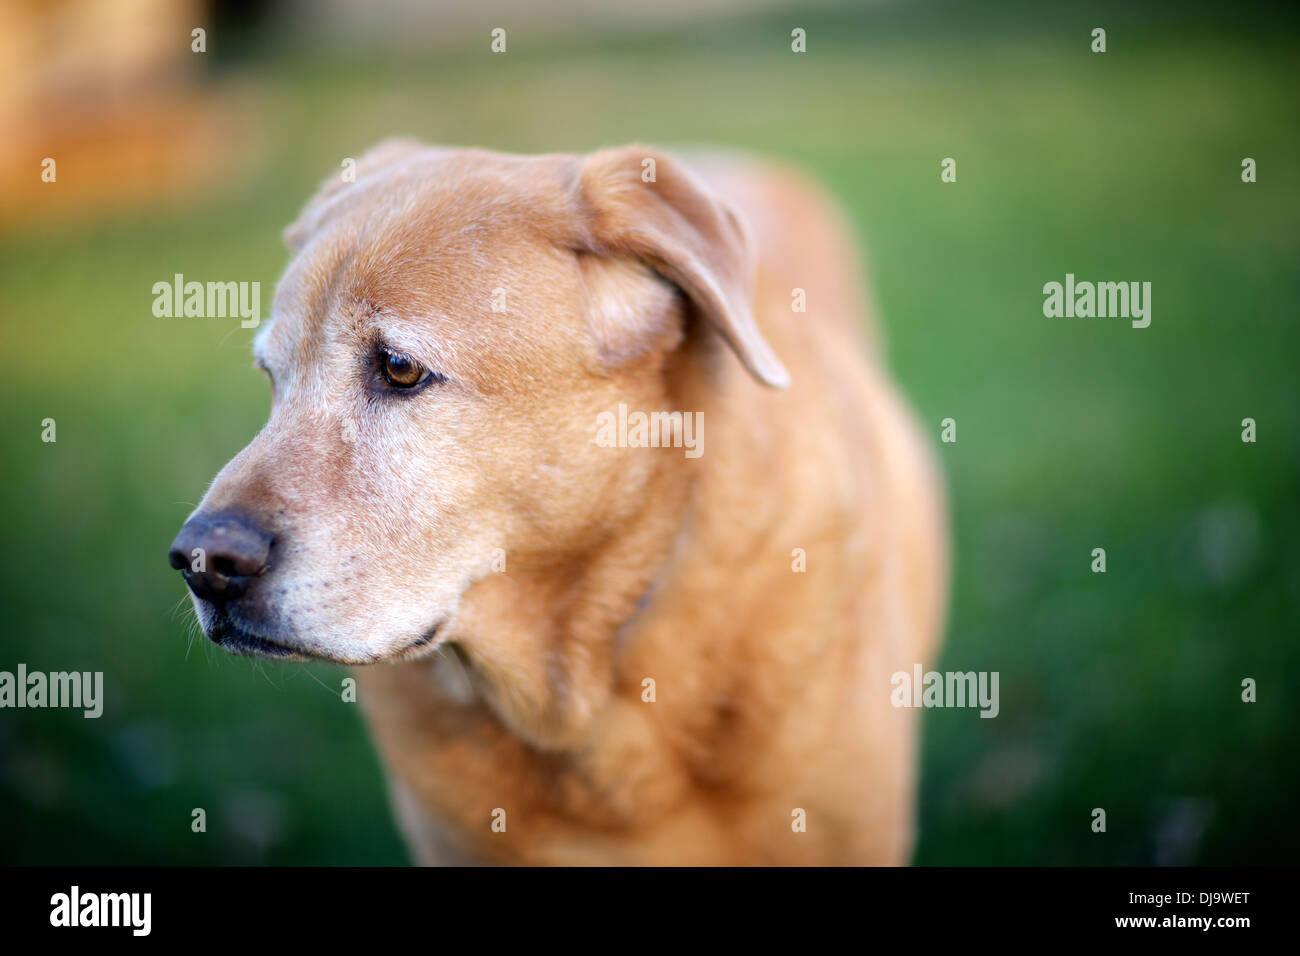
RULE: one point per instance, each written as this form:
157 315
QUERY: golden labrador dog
589 461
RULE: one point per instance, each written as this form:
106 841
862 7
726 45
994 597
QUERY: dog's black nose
220 554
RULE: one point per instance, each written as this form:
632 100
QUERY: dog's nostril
225 567
220 554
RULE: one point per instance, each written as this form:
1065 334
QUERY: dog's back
855 572
810 287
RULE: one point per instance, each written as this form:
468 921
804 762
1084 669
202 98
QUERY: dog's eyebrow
411 342
259 341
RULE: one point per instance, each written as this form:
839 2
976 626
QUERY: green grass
1118 691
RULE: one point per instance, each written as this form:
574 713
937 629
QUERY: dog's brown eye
401 372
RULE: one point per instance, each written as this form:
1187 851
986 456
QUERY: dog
571 650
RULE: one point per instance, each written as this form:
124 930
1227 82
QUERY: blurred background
1119 690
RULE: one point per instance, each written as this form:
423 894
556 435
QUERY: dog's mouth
420 646
237 638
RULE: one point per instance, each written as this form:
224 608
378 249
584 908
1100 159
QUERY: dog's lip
427 637
237 639
422 645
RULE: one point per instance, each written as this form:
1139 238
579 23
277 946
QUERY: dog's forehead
447 246
441 197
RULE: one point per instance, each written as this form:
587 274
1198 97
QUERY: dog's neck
553 644
613 683
543 642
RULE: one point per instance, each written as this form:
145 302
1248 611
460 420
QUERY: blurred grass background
1119 691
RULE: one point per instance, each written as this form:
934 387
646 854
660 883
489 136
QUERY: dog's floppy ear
671 223
375 160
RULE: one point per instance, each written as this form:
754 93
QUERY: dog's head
448 330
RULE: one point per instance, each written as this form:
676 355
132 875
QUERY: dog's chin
240 639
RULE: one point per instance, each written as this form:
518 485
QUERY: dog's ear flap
639 203
378 158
